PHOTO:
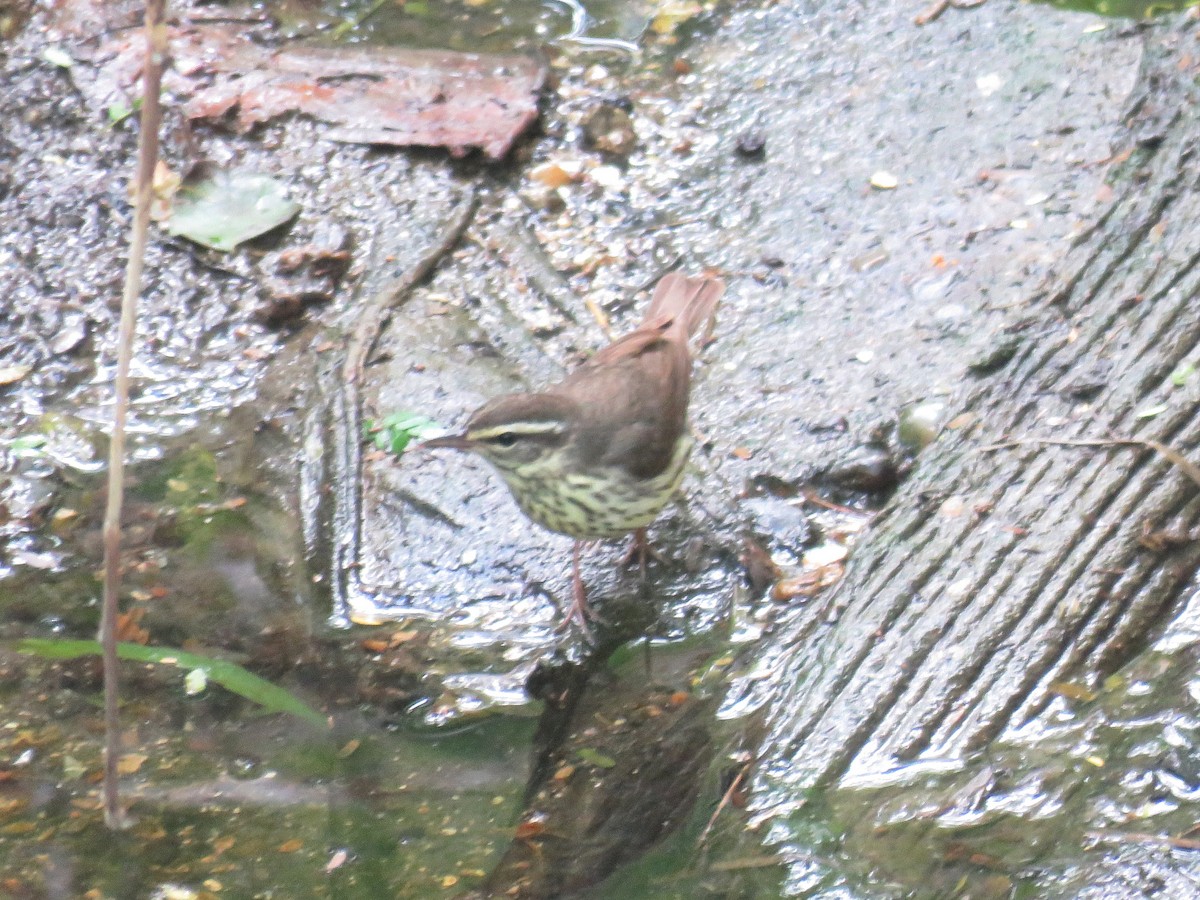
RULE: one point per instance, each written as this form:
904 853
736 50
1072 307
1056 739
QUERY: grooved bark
952 629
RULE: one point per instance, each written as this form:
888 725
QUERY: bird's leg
641 550
579 611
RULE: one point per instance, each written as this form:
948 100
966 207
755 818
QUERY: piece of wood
951 630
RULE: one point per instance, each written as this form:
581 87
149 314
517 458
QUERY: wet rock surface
884 201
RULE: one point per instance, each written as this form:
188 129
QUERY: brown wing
635 390
635 393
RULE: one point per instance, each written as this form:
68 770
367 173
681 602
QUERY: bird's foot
581 615
641 550
580 612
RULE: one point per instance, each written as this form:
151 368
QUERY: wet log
1052 529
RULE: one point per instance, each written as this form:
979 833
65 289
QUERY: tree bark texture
995 574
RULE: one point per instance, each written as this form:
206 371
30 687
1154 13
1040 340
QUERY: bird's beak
450 441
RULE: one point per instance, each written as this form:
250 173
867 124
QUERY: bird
598 455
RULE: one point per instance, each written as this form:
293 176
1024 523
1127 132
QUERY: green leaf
229 675
195 682
119 110
1151 411
72 768
596 758
224 208
27 444
1182 373
395 431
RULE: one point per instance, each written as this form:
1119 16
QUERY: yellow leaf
671 15
130 763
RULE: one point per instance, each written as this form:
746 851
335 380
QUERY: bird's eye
504 439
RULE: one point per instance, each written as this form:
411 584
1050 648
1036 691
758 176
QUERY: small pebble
751 143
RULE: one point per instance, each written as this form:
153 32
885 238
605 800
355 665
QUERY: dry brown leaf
131 762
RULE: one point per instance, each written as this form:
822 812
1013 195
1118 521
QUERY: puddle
608 26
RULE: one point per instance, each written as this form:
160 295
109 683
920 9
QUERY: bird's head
517 433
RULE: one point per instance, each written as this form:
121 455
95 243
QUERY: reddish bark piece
371 95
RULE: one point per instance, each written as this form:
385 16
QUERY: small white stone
989 84
606 176
884 181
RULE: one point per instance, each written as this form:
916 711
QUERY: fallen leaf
130 763
128 628
552 175
195 682
1073 691
371 95
10 374
673 14
73 768
222 208
1183 372
595 758
807 583
529 828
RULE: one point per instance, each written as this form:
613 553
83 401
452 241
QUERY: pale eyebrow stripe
518 428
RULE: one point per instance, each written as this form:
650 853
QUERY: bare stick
374 314
1190 469
151 117
734 786
346 402
1142 838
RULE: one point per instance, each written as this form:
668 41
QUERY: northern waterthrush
601 453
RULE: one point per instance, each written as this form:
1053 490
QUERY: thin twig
346 405
1144 838
934 10
725 799
375 314
813 497
356 21
1190 469
151 118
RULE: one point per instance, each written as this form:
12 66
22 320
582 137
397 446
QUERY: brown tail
691 301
